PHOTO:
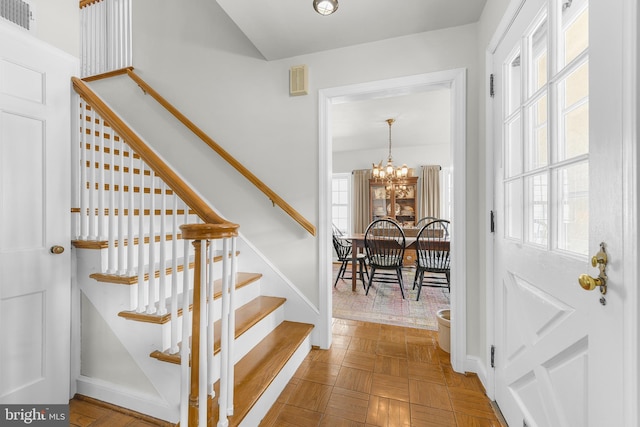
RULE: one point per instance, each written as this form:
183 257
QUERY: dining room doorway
455 81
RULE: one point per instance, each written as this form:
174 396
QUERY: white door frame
631 156
456 80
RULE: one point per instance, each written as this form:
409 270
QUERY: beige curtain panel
360 200
429 190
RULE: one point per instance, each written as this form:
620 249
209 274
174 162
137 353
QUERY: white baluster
101 182
224 337
131 247
130 31
232 324
113 267
93 235
174 276
94 45
83 42
141 260
162 291
151 308
100 32
184 351
121 206
84 201
202 374
75 165
211 314
120 33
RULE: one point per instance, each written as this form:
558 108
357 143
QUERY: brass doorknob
57 250
589 283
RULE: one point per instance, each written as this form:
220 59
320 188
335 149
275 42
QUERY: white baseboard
475 365
115 395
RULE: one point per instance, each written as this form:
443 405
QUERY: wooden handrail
106 75
159 167
84 3
275 198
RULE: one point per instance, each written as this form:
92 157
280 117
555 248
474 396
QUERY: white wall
58 23
200 61
413 157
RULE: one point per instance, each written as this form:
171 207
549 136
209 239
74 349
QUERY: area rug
384 304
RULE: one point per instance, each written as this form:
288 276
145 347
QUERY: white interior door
558 187
34 217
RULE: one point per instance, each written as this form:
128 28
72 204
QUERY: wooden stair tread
257 370
246 316
242 280
103 244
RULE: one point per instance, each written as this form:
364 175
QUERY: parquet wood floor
381 375
374 375
87 412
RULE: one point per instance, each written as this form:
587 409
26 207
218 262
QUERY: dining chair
432 256
426 220
384 243
343 250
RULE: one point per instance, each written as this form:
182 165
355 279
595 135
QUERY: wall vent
17 11
298 80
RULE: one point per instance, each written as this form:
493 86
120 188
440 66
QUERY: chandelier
325 7
389 172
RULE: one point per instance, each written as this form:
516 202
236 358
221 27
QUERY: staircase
171 309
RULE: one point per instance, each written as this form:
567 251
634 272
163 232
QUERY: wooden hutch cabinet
397 199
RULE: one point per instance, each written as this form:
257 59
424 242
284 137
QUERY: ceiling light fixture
389 172
325 7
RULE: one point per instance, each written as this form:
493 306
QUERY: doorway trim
456 81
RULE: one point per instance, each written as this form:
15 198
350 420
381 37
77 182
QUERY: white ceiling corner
285 28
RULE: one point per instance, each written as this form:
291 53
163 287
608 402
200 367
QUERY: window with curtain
340 196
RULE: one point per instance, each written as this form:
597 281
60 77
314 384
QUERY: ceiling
420 119
285 28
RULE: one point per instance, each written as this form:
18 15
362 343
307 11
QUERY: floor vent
17 11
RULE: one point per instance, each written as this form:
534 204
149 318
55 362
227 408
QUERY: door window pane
513 71
537 201
513 209
573 108
513 147
573 208
536 150
538 58
574 31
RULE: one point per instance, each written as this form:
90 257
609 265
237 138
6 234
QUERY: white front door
558 76
35 286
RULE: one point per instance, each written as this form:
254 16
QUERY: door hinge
491 89
493 356
492 225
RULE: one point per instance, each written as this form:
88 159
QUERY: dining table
357 246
